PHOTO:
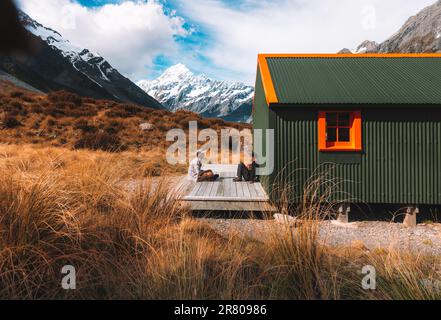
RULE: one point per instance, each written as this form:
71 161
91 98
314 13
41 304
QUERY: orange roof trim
268 85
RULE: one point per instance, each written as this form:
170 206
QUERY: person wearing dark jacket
247 172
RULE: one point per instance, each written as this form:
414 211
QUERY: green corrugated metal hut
372 121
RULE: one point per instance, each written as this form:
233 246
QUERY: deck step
230 206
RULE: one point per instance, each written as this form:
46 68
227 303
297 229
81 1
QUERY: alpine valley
60 65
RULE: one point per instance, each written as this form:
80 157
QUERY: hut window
339 131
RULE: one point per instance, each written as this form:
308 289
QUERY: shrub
159 113
100 141
6 100
113 128
16 104
16 94
51 122
208 123
55 112
28 99
36 125
84 126
36 108
124 111
65 96
10 121
184 122
89 100
83 111
117 124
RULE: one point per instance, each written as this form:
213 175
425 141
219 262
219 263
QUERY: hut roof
348 79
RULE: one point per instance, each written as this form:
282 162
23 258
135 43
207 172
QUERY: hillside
421 33
64 119
179 88
56 64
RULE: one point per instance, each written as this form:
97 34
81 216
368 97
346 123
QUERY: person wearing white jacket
195 172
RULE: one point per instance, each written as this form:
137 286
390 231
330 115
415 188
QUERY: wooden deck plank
195 190
220 190
207 188
225 188
239 189
246 191
260 191
201 189
214 189
183 187
253 192
233 188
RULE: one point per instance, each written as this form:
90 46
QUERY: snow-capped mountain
421 33
179 88
57 64
365 47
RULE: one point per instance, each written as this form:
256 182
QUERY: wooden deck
225 194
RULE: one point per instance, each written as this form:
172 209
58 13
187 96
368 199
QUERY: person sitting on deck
247 172
195 171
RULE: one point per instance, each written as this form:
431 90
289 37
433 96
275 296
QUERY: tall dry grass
138 242
82 215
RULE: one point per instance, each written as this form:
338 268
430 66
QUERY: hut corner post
343 213
410 218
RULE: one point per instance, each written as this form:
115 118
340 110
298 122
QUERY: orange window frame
355 139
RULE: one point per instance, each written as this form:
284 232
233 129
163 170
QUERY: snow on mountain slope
57 64
68 50
179 88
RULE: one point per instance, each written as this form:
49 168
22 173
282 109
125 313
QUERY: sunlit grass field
72 207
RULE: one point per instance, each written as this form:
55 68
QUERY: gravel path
425 238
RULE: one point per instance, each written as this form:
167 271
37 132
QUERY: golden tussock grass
62 207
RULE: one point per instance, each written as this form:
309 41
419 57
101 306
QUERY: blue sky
96 3
220 38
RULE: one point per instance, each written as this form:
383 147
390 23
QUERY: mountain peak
367 47
178 71
420 33
178 88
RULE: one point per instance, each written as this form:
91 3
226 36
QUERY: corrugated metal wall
400 163
261 119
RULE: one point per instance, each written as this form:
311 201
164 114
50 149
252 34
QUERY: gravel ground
425 238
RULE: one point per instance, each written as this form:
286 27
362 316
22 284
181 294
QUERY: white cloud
129 35
313 26
132 33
